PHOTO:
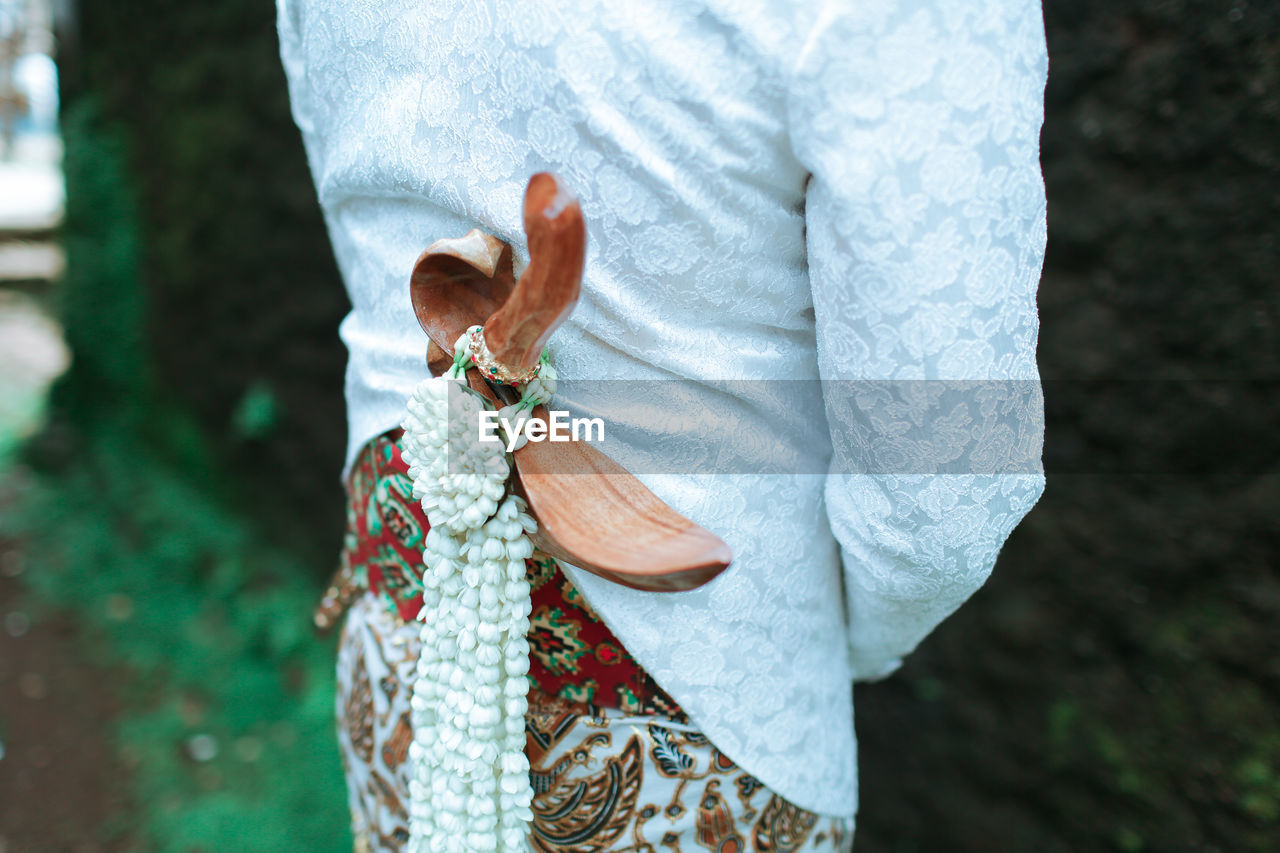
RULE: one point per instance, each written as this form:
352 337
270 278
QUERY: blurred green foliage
258 412
100 300
209 623
227 696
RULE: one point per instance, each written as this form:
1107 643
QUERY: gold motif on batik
583 692
782 827
555 641
579 812
604 781
396 748
539 569
715 823
573 596
359 713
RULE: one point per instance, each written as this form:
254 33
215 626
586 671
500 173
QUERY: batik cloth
603 779
573 654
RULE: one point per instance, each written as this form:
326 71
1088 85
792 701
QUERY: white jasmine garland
469 788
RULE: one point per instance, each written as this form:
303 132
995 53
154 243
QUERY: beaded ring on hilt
493 369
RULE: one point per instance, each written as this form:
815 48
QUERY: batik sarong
573 654
603 779
616 764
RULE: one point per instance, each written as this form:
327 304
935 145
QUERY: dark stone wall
238 284
1115 685
1160 152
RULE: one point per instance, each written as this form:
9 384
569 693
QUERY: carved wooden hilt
591 512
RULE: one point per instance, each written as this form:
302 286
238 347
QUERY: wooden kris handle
548 289
591 511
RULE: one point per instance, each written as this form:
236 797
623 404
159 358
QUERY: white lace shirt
840 190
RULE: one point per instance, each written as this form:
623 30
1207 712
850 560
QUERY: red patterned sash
573 654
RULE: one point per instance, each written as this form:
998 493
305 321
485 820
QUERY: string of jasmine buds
469 788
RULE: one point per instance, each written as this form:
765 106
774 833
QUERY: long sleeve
925 215
293 61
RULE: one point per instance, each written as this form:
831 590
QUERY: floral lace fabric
773 190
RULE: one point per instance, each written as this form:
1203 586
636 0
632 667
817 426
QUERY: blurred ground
159 686
62 787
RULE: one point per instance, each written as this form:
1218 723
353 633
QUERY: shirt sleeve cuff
875 670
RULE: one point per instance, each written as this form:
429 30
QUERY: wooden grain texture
548 289
591 512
